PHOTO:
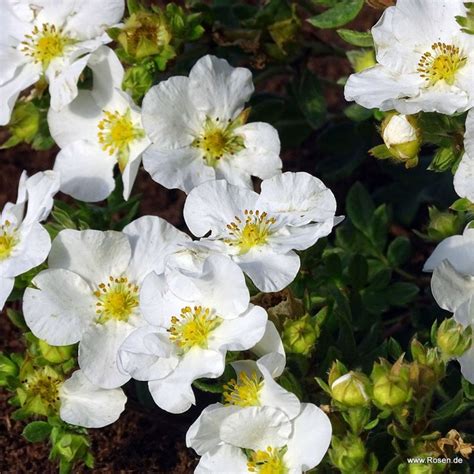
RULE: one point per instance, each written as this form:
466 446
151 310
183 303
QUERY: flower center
267 462
45 44
441 63
218 140
116 133
193 327
245 391
8 240
43 384
117 299
252 232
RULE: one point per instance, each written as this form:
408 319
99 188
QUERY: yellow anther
244 392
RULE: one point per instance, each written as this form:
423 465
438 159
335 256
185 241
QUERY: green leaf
37 431
358 271
401 293
357 38
444 159
399 251
462 205
381 152
311 100
379 227
341 13
360 207
357 113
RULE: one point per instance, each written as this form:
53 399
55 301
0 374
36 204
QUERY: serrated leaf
340 14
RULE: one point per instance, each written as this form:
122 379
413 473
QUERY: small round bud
55 354
402 138
299 336
350 390
453 339
444 224
348 454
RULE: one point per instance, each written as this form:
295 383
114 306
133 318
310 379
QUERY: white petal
203 434
152 239
174 393
169 116
456 249
91 19
85 404
213 205
464 177
467 364
310 438
10 59
93 254
300 197
439 98
10 91
241 333
256 428
41 189
6 287
261 155
32 250
87 172
98 353
268 270
129 176
272 345
218 89
147 354
450 288
469 135
63 84
227 170
223 459
183 168
59 307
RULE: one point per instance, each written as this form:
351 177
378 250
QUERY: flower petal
58 313
6 287
85 404
223 459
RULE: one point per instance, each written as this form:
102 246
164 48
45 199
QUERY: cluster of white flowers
151 303
425 63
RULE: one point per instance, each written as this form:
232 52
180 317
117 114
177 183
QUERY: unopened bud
391 387
351 389
24 124
299 336
444 224
348 454
453 339
55 354
402 138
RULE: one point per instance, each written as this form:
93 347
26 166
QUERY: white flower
253 386
198 128
24 242
51 39
452 284
261 232
464 177
84 404
90 293
101 128
425 61
272 442
191 329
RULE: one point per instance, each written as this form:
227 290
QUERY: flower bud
24 124
348 454
391 385
444 224
299 336
402 138
137 81
351 390
453 339
55 354
338 369
361 59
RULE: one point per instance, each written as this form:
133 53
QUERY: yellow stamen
8 240
218 140
267 462
117 299
193 327
441 63
117 132
245 392
46 44
44 383
253 231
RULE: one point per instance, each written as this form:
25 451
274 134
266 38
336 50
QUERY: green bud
453 339
137 81
402 138
24 124
55 354
361 59
299 337
7 366
338 369
348 454
351 389
391 386
444 224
